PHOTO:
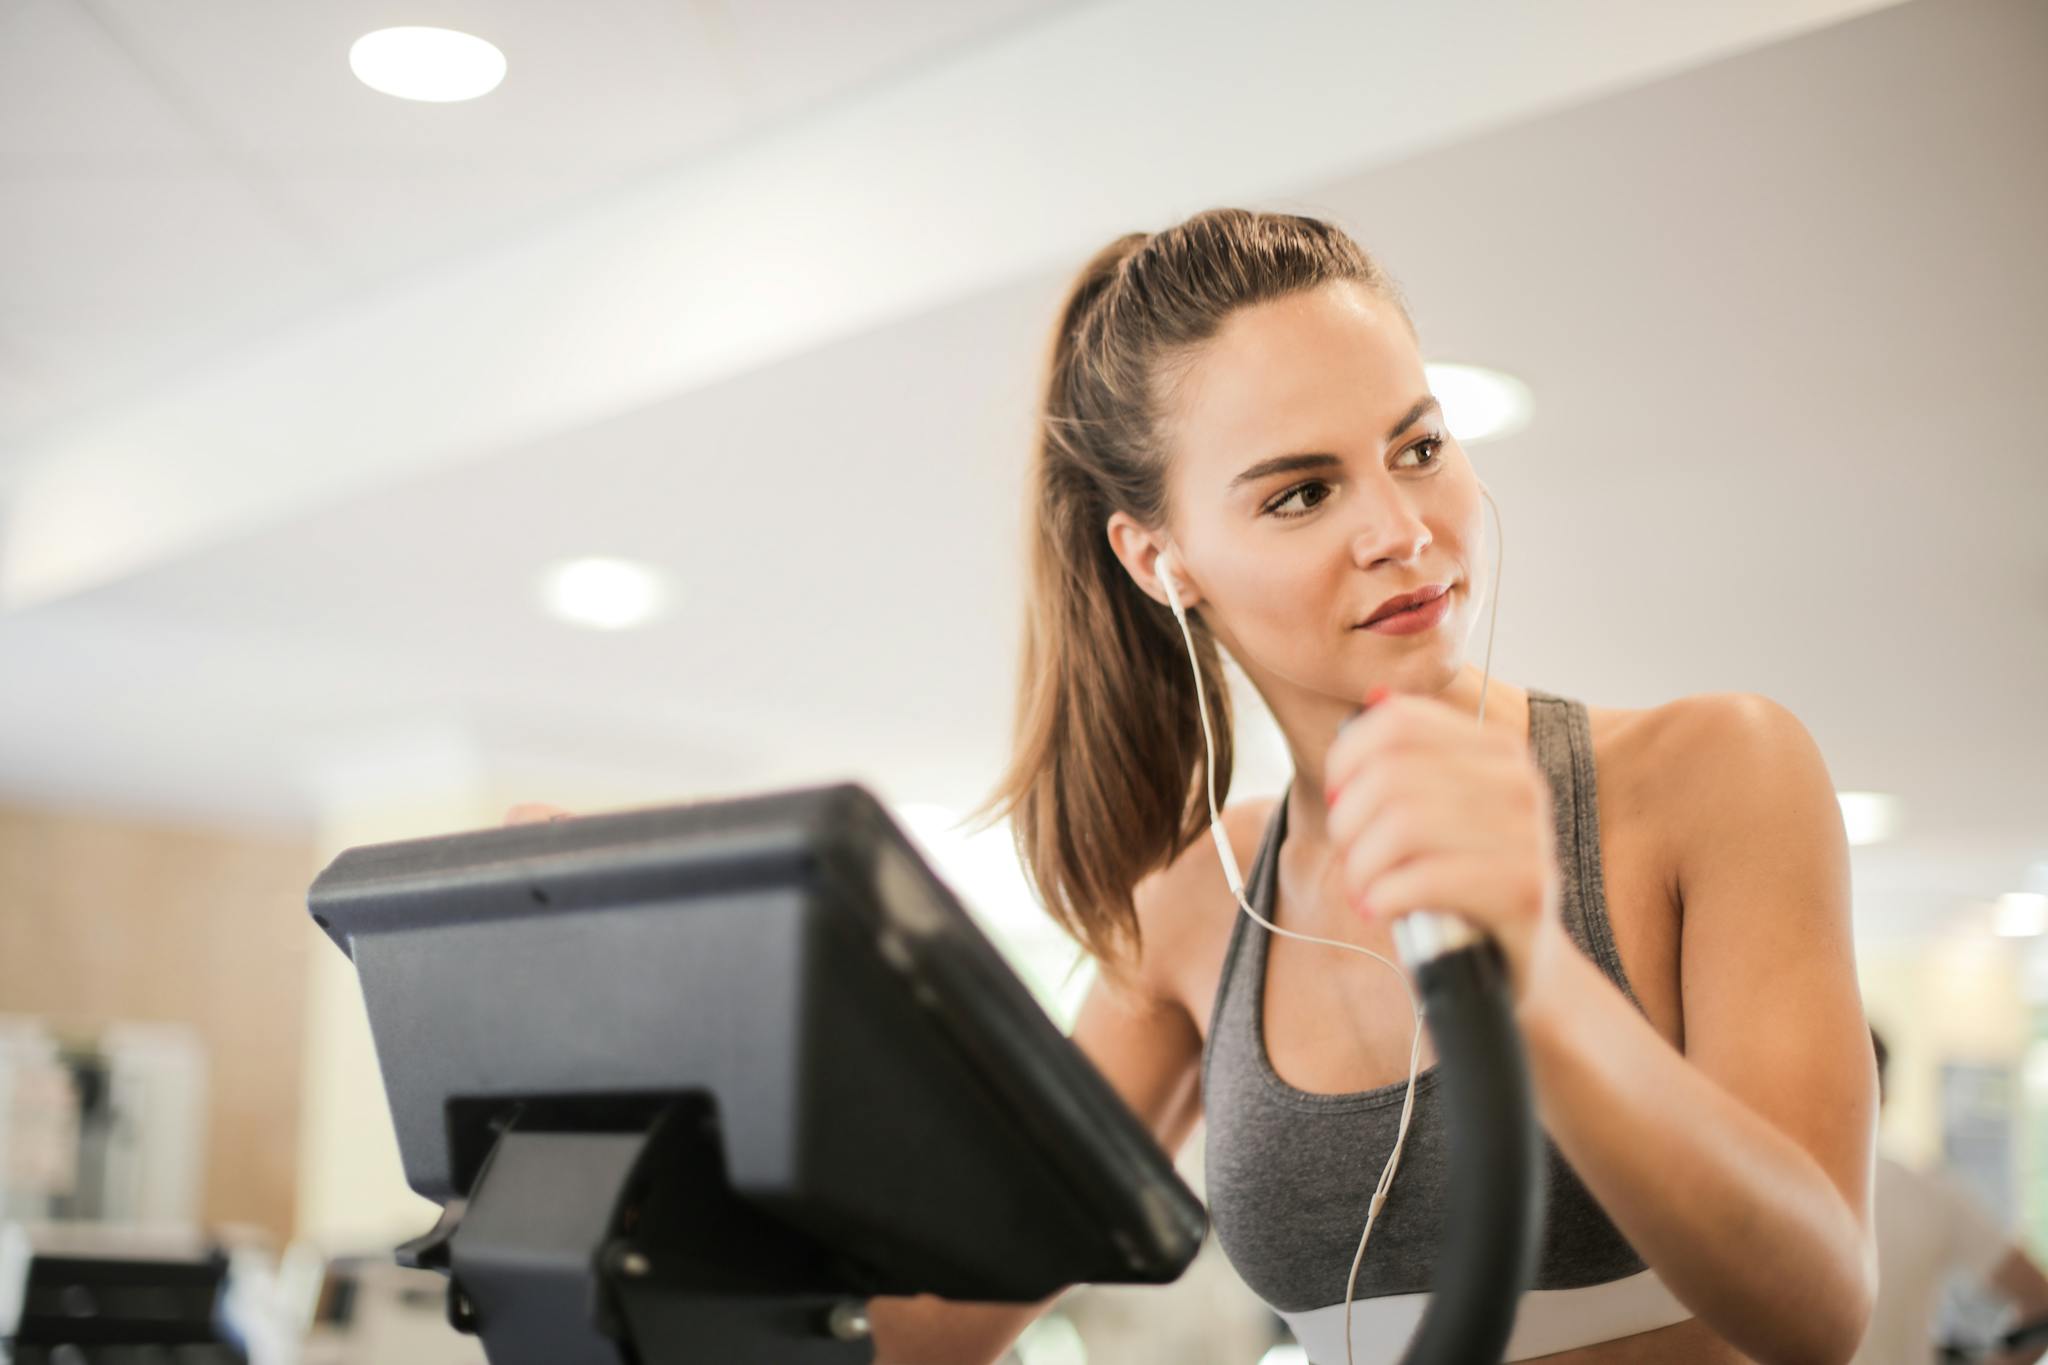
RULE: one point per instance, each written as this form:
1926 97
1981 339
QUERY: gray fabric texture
1290 1172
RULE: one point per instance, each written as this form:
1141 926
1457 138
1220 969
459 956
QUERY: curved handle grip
1495 1213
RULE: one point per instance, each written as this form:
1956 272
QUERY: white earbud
1165 570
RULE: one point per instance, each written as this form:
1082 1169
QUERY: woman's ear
1134 547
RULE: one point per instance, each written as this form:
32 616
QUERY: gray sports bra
1290 1172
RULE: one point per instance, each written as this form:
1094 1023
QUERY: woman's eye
1287 497
1431 445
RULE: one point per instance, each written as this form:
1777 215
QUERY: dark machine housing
692 1083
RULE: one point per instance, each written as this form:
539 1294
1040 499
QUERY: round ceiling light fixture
439 65
1479 404
603 594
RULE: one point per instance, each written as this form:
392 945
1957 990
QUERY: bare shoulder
1662 767
1706 735
1631 733
1186 909
1631 745
1743 753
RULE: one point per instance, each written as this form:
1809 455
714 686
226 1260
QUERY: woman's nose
1393 531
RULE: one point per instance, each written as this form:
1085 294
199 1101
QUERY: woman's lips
1415 619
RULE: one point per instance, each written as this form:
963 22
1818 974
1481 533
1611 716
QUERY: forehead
1314 371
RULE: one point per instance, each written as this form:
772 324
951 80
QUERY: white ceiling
1781 307
185 179
958 176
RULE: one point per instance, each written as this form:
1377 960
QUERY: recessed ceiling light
437 64
1869 817
2021 914
1479 403
603 594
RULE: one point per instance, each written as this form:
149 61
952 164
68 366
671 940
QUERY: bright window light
982 868
2021 914
1869 817
1285 1354
603 594
1479 403
435 64
1052 1340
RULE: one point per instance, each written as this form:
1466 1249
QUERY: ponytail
1105 783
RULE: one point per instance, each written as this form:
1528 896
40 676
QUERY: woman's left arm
1741 1169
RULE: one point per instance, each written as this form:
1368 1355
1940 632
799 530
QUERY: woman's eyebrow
1423 406
1288 464
1282 464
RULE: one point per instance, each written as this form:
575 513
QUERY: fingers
1434 803
1432 826
1396 723
1452 788
1471 887
1505 899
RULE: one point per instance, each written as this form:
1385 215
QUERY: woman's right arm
1146 1046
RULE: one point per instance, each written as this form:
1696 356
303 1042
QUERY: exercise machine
693 1083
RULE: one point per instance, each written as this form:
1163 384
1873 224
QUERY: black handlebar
1495 1212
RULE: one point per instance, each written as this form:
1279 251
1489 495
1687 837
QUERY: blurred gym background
652 425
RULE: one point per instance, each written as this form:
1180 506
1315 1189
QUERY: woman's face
1311 478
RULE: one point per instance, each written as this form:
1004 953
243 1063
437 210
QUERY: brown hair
1105 782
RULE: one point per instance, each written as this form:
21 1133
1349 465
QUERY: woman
1670 885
